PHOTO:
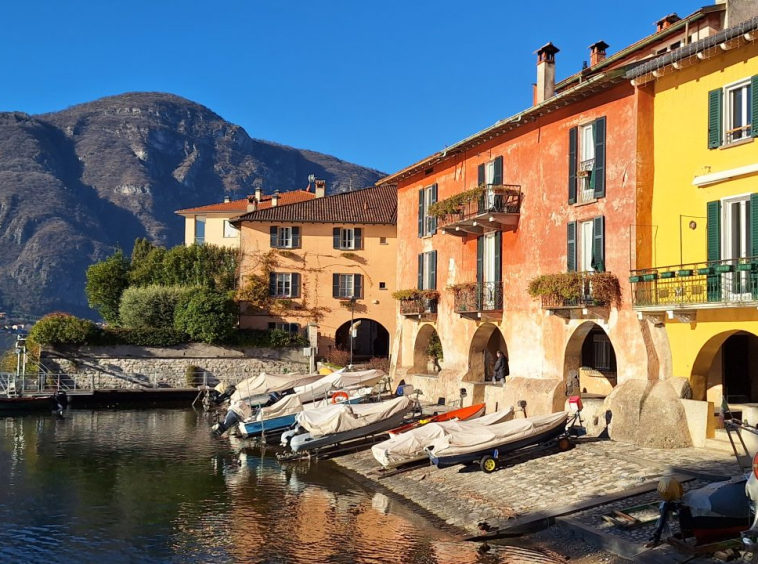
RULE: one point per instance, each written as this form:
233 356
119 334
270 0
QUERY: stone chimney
320 188
597 52
545 73
275 199
226 199
252 203
667 22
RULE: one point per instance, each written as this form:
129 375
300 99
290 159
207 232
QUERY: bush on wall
206 316
151 306
62 328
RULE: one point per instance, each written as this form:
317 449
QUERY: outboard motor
288 435
231 419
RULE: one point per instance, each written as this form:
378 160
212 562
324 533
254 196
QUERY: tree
150 306
206 315
62 329
106 281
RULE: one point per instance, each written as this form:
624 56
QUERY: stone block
699 420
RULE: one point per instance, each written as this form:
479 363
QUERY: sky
380 83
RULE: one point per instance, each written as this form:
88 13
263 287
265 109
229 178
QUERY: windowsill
285 248
586 203
736 143
348 249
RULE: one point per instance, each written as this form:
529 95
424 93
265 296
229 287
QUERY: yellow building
700 239
302 263
211 224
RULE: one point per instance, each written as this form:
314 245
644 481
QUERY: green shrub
143 337
192 374
62 329
206 315
151 306
271 338
106 281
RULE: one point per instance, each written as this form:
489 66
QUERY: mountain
77 183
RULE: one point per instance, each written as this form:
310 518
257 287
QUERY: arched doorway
427 351
371 339
590 362
724 367
482 353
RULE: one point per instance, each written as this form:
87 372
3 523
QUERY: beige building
212 223
329 261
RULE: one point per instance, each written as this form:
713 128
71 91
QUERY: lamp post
352 330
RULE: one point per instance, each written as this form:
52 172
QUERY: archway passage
590 362
725 368
427 351
370 340
482 353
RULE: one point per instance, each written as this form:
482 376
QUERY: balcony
563 292
485 208
714 284
421 304
586 188
478 300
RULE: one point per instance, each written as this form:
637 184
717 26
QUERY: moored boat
461 414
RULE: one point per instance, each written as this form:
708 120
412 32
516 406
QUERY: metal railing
499 198
586 297
472 298
728 282
585 190
418 306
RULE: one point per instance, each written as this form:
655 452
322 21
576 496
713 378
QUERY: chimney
275 199
226 199
252 203
545 72
258 193
667 22
320 188
597 52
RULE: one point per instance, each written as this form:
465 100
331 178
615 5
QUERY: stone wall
139 367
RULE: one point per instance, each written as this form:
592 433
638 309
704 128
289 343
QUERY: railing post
92 381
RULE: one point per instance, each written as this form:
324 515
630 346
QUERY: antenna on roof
311 178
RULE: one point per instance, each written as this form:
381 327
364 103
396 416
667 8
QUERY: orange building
329 261
527 230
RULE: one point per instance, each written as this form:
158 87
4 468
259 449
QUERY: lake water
155 486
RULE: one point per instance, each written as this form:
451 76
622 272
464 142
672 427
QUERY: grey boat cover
410 445
342 417
267 383
339 380
473 439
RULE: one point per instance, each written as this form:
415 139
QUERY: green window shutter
713 282
433 226
420 284
754 105
573 134
571 246
296 237
598 169
272 284
358 238
480 174
358 285
497 179
479 260
598 244
420 213
715 118
336 239
432 271
753 225
273 233
335 285
498 256
295 285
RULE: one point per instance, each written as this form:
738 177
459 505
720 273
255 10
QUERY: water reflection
154 486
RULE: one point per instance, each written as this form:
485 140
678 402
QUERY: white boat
317 428
408 447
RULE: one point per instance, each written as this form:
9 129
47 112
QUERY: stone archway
589 365
724 366
481 357
371 339
422 362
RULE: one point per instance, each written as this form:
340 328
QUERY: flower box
649 277
634 279
706 270
724 268
684 272
746 267
668 274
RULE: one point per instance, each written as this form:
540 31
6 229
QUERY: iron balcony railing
586 192
418 306
475 298
581 285
727 282
495 201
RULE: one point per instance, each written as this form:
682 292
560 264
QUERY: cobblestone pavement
464 496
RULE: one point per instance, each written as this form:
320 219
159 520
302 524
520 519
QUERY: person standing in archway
501 368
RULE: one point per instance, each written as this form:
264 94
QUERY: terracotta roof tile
240 206
370 205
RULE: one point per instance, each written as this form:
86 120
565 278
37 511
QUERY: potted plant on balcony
464 296
414 300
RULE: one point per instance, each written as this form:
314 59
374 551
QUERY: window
489 176
586 245
736 242
284 237
284 284
597 351
731 112
427 225
293 328
382 240
587 161
427 271
346 286
382 285
229 230
347 238
199 230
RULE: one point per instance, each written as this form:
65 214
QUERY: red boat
462 414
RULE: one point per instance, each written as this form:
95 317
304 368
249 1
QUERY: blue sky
381 83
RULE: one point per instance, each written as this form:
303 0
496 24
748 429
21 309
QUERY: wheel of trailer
488 464
564 444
